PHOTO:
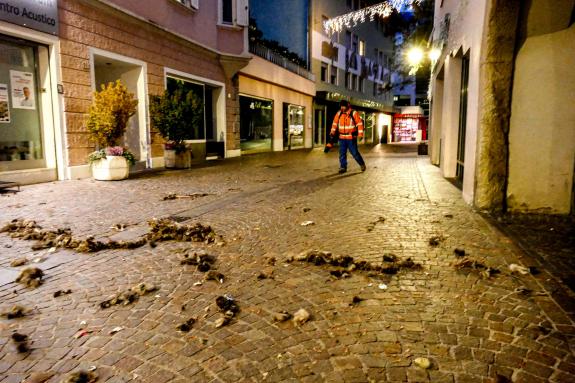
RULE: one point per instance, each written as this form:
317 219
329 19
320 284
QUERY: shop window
324 69
21 142
348 39
256 124
197 132
293 132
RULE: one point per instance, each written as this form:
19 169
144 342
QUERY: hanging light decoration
351 19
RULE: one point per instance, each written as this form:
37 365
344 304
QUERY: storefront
28 96
409 128
293 131
256 124
275 108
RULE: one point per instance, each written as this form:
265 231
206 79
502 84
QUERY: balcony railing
276 58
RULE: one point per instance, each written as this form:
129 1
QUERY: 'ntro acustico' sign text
41 15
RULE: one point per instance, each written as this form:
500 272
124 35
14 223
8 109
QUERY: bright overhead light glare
434 54
415 56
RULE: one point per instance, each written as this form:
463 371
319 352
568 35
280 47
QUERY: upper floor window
361 48
227 11
194 4
348 39
333 74
233 12
323 72
354 43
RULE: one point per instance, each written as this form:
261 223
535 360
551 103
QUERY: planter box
181 160
111 168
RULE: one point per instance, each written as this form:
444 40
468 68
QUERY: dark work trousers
351 145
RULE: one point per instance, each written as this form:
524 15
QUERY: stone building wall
86 25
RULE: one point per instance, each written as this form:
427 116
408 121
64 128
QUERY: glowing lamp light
434 54
415 56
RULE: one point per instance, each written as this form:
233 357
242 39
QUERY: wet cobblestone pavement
510 327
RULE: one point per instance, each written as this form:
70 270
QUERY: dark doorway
462 119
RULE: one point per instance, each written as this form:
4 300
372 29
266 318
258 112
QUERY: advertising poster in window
22 84
4 106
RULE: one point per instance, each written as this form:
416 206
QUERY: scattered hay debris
459 252
270 260
371 225
160 230
389 257
187 325
31 277
221 322
21 342
193 196
436 240
301 316
320 258
282 316
485 272
167 230
214 275
356 300
130 296
267 273
81 377
201 259
339 274
59 293
15 312
19 262
228 306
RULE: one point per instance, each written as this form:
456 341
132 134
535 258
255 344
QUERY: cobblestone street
507 327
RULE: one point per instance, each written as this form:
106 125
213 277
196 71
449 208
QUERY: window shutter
195 4
242 13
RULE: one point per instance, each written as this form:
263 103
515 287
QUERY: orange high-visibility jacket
346 126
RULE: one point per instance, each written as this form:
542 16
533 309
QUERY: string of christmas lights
351 19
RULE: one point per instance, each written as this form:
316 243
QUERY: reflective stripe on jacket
346 126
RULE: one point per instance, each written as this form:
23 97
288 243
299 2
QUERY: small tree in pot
108 118
175 114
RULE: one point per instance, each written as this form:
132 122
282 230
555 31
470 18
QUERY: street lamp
415 56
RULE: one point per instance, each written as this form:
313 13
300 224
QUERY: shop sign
41 15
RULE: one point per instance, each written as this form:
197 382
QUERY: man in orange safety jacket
347 123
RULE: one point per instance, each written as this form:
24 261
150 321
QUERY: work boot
363 167
342 170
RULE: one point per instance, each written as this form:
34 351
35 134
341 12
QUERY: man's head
26 92
344 105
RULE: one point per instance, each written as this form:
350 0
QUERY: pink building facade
146 44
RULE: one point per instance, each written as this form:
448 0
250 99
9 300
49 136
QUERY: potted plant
175 114
108 118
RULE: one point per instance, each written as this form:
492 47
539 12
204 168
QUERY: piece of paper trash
307 223
92 368
198 283
83 323
82 333
517 268
382 286
116 329
157 296
52 249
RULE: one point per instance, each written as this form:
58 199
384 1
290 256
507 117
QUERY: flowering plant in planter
112 151
176 114
108 118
